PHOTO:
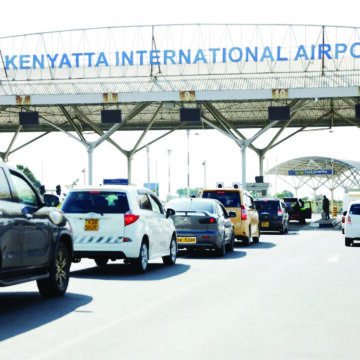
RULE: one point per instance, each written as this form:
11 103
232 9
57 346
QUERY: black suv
273 215
35 237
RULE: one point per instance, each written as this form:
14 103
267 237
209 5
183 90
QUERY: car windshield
227 198
268 205
191 205
355 209
103 202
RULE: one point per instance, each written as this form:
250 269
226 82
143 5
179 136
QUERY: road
293 296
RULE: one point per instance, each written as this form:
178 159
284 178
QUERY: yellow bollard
334 211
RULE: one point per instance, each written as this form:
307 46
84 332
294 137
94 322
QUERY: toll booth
258 190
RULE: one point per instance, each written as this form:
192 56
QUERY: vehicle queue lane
284 298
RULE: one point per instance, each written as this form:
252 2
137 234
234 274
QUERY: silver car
203 223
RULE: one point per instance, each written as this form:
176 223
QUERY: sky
64 161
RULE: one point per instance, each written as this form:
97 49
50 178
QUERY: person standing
325 206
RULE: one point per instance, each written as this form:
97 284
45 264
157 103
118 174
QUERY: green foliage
284 194
182 192
28 173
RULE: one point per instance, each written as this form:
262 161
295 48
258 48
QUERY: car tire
59 273
221 252
99 261
247 240
141 263
348 241
256 239
171 259
231 244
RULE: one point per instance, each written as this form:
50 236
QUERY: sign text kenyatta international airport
181 56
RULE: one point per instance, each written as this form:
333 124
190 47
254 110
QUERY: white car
352 223
120 222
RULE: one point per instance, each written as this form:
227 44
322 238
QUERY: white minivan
120 222
352 223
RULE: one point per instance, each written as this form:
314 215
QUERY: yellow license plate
264 224
91 224
187 240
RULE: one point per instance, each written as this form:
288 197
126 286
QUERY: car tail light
130 218
280 212
243 213
349 220
343 220
208 220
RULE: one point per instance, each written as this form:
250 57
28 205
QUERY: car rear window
268 205
191 205
355 209
104 202
227 198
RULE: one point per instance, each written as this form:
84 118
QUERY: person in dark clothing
325 206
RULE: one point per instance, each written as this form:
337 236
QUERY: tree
28 173
284 194
182 192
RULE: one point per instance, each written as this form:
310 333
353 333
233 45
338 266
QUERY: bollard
334 211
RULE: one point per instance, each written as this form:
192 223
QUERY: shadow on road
118 271
24 311
210 255
259 245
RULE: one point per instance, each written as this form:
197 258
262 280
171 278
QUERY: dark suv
272 215
35 237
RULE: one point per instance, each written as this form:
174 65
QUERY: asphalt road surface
293 296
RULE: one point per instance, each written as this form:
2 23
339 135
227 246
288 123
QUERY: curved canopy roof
316 171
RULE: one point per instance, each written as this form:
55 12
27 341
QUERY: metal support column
243 165
129 158
90 150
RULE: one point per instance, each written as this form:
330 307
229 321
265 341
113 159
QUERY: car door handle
28 216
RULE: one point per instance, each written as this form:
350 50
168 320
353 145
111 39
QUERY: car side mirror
344 213
170 212
232 214
51 200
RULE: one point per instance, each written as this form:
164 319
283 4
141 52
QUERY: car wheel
348 241
141 263
248 239
231 245
171 259
256 239
59 273
222 250
101 261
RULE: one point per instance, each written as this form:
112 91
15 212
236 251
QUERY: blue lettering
52 60
267 54
340 49
214 51
200 56
279 58
37 61
10 61
141 53
169 55
253 56
125 57
77 58
313 52
64 61
324 49
24 60
101 60
89 55
301 52
154 57
352 50
187 57
224 55
232 50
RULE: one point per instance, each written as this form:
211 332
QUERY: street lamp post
169 188
204 164
188 162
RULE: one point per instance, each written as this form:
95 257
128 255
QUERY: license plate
264 224
91 224
187 240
